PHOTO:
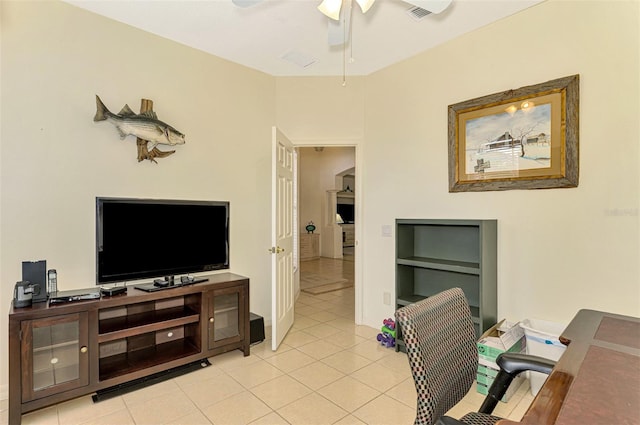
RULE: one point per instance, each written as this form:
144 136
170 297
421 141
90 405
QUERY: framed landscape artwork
525 138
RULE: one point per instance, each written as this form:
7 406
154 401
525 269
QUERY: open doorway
327 203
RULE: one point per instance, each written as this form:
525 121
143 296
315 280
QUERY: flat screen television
347 212
148 238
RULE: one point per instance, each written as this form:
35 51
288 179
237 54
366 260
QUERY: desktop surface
597 379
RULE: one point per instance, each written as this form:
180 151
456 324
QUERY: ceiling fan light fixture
331 8
245 3
365 4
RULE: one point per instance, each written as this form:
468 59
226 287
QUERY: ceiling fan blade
433 6
245 3
339 31
331 8
365 4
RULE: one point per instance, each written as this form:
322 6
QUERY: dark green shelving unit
435 255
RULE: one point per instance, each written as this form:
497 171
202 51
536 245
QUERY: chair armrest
515 363
512 364
446 420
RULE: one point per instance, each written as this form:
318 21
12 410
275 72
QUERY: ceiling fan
339 29
339 14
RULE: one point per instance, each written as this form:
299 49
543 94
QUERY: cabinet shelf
56 346
404 300
150 321
441 264
225 308
132 361
435 255
51 361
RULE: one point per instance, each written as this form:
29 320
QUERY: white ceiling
258 36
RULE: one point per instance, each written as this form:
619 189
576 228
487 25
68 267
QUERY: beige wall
55 160
320 110
559 250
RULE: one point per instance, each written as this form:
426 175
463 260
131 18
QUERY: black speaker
256 328
36 273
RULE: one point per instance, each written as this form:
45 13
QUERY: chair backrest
441 346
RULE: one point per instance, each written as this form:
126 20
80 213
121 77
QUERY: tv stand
59 352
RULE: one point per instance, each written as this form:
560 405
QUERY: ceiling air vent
418 13
299 58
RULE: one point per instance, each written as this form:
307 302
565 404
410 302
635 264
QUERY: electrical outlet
386 298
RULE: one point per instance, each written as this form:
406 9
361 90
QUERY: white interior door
282 290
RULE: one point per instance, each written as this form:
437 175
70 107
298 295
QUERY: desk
597 379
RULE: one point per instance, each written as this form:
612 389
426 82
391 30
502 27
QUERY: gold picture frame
525 138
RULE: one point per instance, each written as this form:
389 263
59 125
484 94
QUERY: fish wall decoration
145 126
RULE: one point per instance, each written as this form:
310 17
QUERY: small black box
256 328
116 290
36 273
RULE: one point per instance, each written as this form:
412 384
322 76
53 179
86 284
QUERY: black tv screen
147 238
347 212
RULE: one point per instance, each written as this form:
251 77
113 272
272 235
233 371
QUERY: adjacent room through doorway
326 204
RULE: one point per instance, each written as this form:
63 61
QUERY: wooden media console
63 351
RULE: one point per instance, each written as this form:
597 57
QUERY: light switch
386 231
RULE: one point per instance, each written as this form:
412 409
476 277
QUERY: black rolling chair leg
496 392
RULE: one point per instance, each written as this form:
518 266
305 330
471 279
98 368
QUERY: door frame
359 246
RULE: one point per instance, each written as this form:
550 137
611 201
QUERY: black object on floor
137 384
256 328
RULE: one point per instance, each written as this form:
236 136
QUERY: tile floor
327 371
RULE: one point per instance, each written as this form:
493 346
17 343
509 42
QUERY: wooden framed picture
525 138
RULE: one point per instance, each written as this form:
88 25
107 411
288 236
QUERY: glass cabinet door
225 323
57 354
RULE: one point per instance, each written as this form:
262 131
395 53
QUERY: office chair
440 340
